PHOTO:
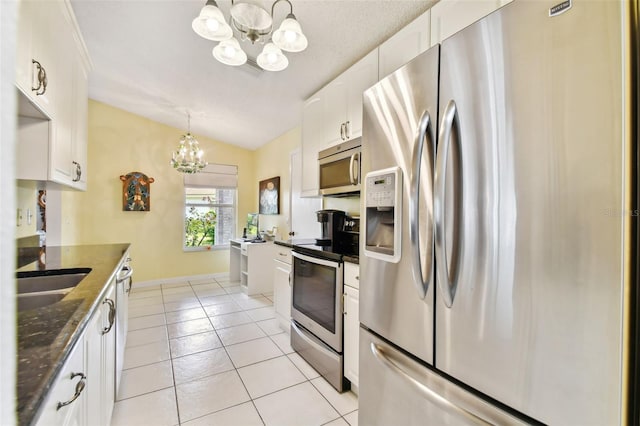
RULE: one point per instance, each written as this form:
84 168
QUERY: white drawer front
352 275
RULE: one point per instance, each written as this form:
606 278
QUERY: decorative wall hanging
269 192
42 207
136 192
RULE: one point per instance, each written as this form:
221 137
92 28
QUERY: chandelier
188 157
253 23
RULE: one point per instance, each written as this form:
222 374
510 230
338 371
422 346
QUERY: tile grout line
225 346
173 373
234 369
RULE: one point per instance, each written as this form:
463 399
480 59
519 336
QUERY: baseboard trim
176 280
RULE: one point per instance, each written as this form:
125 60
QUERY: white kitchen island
250 264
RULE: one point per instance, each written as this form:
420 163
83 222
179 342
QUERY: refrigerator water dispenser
383 214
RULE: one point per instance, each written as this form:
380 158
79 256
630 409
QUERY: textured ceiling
147 60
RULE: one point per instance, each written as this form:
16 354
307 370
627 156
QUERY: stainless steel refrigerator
498 242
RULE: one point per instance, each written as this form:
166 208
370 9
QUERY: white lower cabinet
100 362
282 286
85 389
66 403
351 322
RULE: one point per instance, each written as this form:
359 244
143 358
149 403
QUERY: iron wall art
136 192
269 193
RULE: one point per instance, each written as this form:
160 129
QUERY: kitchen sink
37 300
41 288
47 281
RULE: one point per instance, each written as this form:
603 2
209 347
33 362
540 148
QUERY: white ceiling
147 60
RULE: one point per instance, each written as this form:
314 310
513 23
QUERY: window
210 207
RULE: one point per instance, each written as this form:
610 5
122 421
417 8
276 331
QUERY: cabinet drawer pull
41 76
78 171
112 315
79 388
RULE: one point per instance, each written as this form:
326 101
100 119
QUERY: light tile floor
204 353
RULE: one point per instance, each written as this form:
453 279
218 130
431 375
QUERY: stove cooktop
330 252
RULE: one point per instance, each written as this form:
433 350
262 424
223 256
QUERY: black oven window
315 292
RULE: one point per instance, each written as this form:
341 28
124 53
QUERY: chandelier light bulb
229 52
211 23
289 36
272 58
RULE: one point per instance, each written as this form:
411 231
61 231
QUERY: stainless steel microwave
339 168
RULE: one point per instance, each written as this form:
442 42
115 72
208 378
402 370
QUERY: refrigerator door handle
424 131
428 393
447 285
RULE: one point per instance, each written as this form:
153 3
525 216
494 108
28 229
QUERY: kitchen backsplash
351 205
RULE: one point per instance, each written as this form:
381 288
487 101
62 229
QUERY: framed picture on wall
269 196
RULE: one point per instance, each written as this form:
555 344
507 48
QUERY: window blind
213 176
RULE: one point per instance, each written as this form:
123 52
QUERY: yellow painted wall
351 205
121 142
273 159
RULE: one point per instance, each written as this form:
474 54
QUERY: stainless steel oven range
316 312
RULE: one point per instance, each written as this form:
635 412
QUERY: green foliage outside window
200 228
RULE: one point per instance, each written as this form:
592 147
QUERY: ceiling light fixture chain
187 158
254 24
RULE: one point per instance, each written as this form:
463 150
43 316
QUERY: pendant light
188 156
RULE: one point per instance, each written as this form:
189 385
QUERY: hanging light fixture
253 23
272 58
188 157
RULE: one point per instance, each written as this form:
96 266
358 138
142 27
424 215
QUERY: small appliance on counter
331 221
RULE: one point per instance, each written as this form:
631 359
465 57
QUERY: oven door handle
329 263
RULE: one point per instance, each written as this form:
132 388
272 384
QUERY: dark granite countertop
351 259
295 241
46 335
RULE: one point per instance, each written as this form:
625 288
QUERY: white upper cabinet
334 115
343 100
81 120
405 45
312 142
450 16
51 72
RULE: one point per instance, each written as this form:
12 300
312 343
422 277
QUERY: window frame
186 205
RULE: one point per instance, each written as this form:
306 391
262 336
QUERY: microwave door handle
354 176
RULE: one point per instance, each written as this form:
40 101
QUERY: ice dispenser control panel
383 214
